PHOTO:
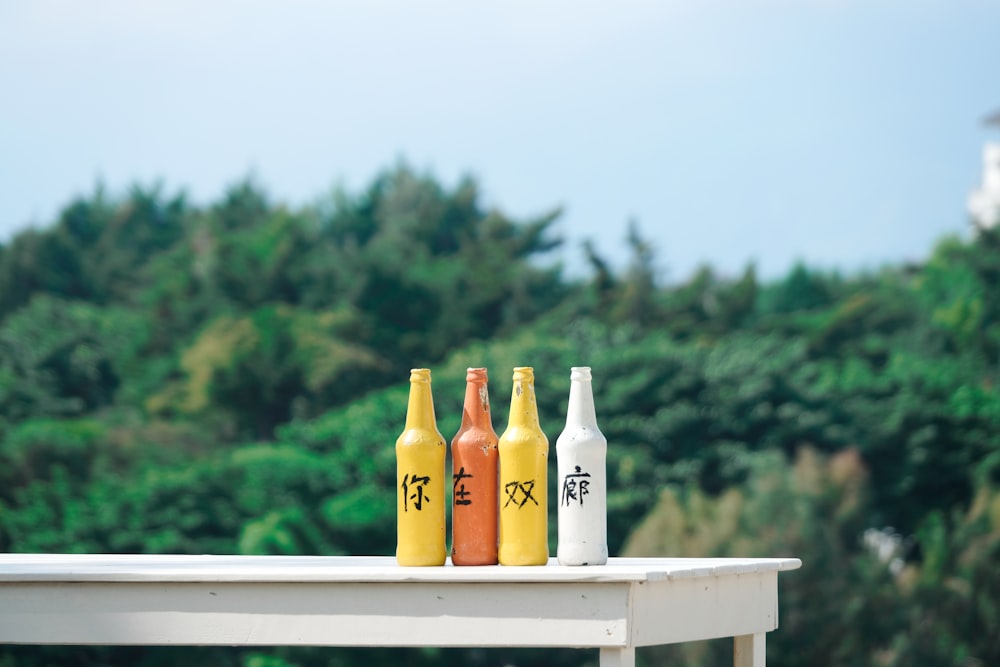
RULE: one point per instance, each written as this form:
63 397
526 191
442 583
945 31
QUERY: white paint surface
581 457
370 601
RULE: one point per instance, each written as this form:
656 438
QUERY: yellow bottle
524 453
420 480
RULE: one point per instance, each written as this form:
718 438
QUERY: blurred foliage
230 378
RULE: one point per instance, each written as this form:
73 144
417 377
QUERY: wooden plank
617 657
164 568
370 601
337 614
749 650
680 610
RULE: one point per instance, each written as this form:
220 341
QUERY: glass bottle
524 452
420 480
475 469
581 454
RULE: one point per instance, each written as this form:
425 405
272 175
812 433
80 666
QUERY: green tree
64 358
263 368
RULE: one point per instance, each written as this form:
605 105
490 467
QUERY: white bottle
581 452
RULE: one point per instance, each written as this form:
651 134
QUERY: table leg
617 657
748 650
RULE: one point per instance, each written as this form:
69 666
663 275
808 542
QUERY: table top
358 569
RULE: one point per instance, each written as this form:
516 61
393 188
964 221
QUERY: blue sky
843 133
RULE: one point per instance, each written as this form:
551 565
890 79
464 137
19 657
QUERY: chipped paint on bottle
475 470
581 455
420 480
524 452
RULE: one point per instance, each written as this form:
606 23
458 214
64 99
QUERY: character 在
461 495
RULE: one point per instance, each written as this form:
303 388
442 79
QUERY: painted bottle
524 453
475 469
581 454
420 479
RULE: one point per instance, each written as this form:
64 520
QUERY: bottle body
420 480
581 458
524 452
475 471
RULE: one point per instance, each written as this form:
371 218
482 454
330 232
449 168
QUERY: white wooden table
370 601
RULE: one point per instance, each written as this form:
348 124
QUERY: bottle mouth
420 375
475 375
579 373
524 373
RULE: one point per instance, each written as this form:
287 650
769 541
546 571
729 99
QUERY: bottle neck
580 411
476 411
523 409
420 408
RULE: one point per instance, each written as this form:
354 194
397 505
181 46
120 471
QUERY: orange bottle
475 471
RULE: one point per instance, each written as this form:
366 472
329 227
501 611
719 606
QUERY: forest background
231 378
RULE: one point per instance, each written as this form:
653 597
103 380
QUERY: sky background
844 133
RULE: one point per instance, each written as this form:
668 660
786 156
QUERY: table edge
69 568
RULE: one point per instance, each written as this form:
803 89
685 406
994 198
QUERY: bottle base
419 560
523 559
466 561
582 558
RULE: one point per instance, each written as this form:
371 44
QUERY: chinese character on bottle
416 484
575 487
524 488
461 495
